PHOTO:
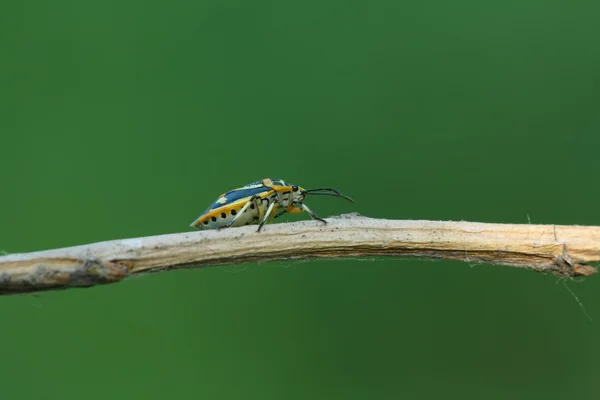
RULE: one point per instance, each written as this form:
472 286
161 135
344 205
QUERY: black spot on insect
294 188
206 222
214 219
233 212
252 206
223 215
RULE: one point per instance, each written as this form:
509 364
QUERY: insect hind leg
251 201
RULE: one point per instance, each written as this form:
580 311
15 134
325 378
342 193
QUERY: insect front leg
312 214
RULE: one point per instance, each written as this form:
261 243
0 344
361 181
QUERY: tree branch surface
564 251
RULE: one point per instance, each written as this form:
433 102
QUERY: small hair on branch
563 251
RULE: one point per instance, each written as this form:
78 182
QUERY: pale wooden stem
559 250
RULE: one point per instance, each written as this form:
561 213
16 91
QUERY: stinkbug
257 203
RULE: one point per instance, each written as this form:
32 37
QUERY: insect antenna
327 192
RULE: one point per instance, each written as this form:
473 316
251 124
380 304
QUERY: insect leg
312 214
259 199
289 209
267 214
280 213
248 203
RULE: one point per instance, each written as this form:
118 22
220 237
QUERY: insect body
258 202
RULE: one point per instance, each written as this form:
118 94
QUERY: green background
127 118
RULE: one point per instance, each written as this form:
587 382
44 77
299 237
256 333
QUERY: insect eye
294 188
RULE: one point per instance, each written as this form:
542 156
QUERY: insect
258 202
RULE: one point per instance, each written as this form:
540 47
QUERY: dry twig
559 250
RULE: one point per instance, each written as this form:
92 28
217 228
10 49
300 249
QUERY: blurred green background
127 118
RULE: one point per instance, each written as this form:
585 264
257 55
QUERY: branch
563 251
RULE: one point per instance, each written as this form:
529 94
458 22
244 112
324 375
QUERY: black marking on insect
258 202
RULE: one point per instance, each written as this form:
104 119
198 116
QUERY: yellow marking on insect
228 207
293 210
258 203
